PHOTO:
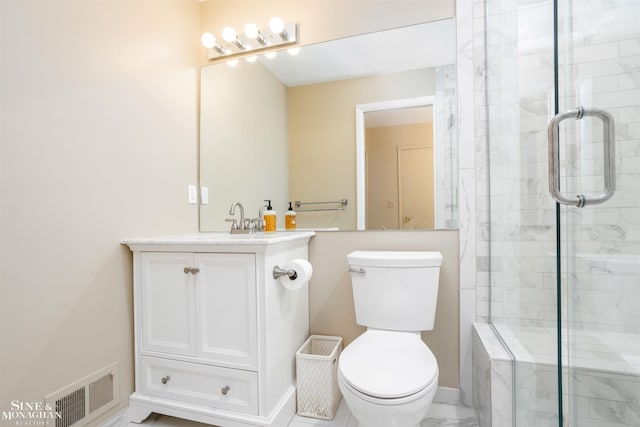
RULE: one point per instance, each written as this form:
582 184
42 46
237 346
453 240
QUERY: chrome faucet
232 210
241 227
245 225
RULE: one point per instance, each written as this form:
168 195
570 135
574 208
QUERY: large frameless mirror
357 133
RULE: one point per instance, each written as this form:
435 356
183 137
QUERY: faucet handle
257 224
234 223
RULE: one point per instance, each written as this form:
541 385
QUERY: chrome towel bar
340 206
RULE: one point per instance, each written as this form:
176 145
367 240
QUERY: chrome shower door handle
608 138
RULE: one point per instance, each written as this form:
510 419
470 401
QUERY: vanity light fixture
230 36
209 41
277 26
252 42
251 30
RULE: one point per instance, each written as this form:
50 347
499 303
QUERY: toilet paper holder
279 272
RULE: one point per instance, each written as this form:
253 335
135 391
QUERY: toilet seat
345 387
388 364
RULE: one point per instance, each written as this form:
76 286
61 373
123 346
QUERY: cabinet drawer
222 388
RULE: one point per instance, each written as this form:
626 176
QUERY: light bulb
271 54
251 30
294 50
251 58
276 25
208 40
229 34
232 62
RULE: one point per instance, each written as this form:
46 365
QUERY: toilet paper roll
304 272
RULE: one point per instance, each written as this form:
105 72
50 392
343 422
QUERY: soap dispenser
269 218
290 219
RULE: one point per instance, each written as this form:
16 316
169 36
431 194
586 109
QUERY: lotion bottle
269 218
290 218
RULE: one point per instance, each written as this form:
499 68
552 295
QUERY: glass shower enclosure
563 125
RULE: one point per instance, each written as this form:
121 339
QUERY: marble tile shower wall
515 250
481 144
602 70
519 40
446 151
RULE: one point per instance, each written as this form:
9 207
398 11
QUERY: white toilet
388 376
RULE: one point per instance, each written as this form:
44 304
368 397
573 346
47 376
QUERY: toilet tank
395 290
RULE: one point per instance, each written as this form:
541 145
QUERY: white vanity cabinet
200 304
215 334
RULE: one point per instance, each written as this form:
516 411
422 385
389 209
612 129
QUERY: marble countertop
221 239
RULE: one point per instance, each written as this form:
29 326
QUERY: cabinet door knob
225 389
195 270
187 270
165 380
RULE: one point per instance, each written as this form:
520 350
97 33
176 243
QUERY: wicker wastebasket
318 395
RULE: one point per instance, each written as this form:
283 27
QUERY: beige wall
247 163
99 142
322 142
331 298
99 127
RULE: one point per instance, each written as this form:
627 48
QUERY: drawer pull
165 380
225 389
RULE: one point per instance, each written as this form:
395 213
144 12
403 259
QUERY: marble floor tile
441 414
450 415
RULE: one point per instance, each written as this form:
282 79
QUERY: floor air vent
71 407
86 399
100 393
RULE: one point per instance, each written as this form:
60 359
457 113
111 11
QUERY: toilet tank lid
395 258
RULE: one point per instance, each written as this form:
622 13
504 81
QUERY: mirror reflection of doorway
415 187
399 147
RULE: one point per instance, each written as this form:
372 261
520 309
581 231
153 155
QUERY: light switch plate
193 195
204 195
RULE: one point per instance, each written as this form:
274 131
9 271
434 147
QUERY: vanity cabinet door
168 319
226 308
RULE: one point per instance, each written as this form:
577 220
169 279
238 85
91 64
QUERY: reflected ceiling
383 52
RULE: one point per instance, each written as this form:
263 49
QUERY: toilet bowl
388 376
